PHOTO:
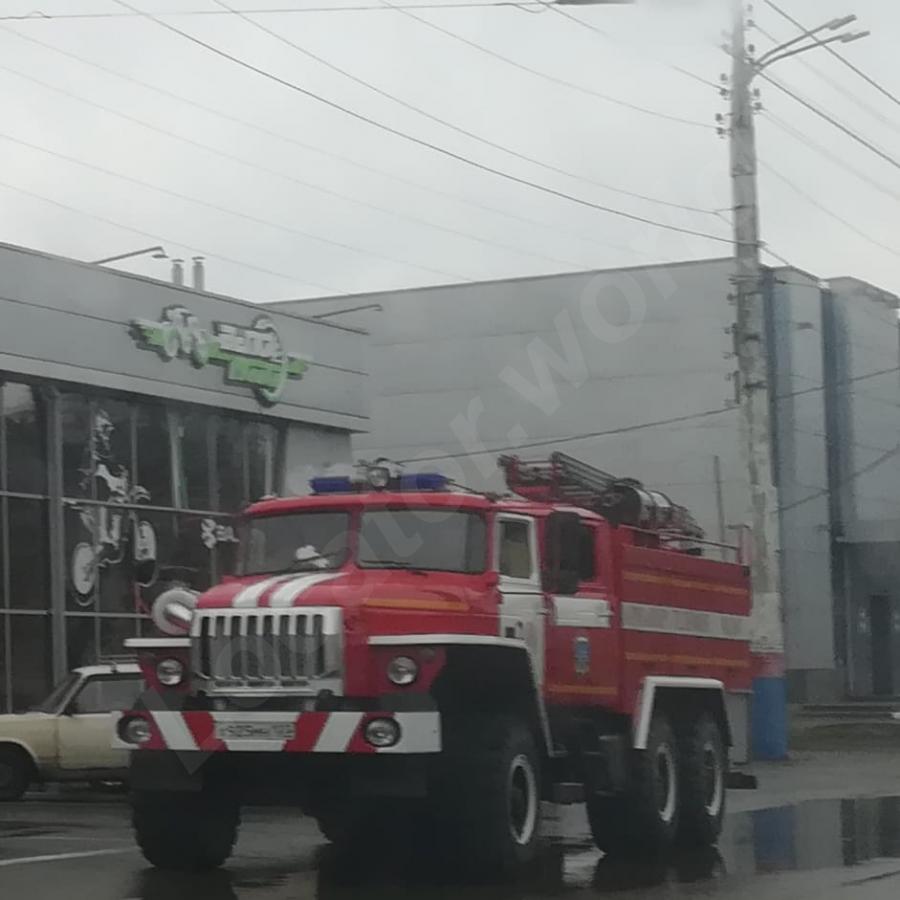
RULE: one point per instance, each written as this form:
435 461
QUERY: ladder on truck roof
623 501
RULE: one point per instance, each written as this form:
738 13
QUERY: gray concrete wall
796 333
72 321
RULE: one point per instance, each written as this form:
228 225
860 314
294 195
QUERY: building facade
588 362
136 419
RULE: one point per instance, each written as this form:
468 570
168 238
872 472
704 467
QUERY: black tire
703 770
16 773
185 832
645 818
487 808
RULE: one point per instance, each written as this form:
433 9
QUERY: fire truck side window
587 554
515 549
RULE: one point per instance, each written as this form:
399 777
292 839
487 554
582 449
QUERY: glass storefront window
25 450
194 456
113 634
154 454
230 465
81 641
30 662
260 456
28 564
75 413
4 672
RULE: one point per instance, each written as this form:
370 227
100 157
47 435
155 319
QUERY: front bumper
283 732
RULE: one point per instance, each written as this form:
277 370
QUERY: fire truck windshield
439 540
297 542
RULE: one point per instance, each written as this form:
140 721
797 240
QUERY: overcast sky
390 213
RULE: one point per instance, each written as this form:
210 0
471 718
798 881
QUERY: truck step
567 793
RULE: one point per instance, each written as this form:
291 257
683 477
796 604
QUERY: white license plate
254 731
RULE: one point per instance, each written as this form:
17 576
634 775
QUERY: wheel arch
26 751
681 698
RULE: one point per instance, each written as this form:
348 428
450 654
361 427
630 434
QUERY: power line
287 229
290 178
828 154
812 200
868 78
169 241
883 458
553 7
705 414
260 129
423 142
545 75
447 124
39 16
831 120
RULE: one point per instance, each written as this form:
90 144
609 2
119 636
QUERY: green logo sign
251 356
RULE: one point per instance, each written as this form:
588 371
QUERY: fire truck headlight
170 672
135 730
402 670
382 732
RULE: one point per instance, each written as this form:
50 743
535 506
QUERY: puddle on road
812 835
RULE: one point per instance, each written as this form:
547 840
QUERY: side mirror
562 533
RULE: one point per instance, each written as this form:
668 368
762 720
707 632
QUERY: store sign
252 356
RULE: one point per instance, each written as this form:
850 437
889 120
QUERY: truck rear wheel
185 832
703 765
488 809
644 819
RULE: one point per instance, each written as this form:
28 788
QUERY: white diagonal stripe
250 595
174 731
288 593
338 730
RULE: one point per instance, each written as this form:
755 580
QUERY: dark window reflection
154 455
194 433
26 453
4 685
30 659
28 562
192 556
80 528
113 634
230 465
260 447
76 450
81 640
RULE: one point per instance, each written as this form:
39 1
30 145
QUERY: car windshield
440 540
297 542
55 698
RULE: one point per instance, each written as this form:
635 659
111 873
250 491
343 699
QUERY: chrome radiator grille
268 651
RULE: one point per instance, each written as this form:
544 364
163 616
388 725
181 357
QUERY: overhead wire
288 139
256 220
422 142
831 120
822 208
853 68
545 75
279 36
170 241
309 185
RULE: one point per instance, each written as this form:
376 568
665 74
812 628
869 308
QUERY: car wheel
16 773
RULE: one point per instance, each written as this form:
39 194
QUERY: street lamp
783 51
155 252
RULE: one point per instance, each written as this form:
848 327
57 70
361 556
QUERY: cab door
85 728
522 609
582 636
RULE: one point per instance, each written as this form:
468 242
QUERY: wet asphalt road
80 849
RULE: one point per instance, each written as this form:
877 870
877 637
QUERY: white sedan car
67 737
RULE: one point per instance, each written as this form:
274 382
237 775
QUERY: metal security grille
265 651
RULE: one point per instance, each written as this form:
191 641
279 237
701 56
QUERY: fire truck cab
396 651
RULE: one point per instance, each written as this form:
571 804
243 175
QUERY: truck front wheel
488 807
185 831
703 765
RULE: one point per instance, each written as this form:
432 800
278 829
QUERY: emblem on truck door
581 653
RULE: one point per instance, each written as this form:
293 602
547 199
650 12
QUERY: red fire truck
395 650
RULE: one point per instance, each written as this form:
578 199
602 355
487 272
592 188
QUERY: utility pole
769 714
